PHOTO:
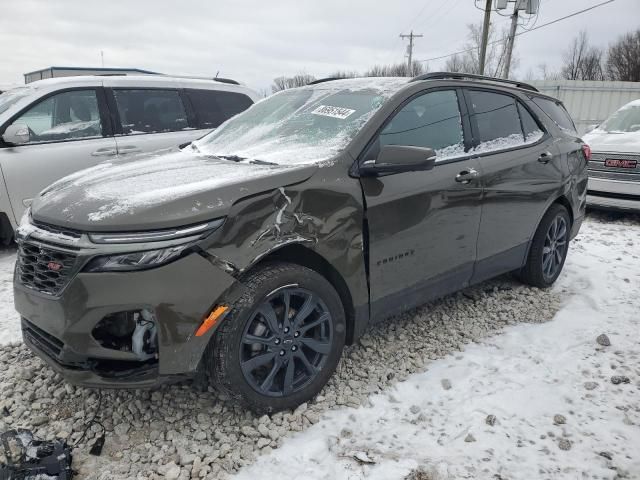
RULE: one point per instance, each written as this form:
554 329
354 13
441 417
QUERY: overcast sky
256 40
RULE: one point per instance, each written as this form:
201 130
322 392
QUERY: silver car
51 128
614 169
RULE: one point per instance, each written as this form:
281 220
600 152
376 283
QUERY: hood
163 190
604 142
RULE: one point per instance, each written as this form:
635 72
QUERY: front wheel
281 341
548 249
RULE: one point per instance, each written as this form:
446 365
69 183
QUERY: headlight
135 261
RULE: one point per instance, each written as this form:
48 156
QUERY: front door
422 226
68 133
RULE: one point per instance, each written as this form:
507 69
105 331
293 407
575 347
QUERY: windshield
627 119
303 125
13 96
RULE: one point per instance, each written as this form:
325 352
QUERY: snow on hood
618 142
288 127
168 188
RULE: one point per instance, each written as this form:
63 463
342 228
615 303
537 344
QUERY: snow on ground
431 426
434 425
9 320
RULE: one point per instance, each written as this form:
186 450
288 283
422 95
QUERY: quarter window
214 107
432 121
65 116
150 111
556 112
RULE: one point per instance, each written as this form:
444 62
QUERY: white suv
51 128
614 168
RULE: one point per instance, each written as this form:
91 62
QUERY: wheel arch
559 200
305 257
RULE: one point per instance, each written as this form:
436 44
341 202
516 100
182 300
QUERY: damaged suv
252 256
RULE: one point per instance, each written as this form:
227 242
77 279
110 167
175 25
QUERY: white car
614 169
51 128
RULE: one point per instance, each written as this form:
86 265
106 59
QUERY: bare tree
396 70
344 74
299 80
469 61
582 61
623 61
547 74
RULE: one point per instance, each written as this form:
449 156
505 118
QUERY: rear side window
532 131
150 111
556 112
432 121
496 116
214 107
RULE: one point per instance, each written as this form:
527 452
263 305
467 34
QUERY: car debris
28 458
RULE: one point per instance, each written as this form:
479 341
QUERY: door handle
545 157
105 152
129 149
466 176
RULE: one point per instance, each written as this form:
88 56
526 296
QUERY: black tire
230 351
542 254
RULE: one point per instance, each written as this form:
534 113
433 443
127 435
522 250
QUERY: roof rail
214 79
471 76
322 80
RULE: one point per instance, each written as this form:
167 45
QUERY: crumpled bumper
180 295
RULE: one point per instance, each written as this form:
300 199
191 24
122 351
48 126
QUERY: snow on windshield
304 125
13 96
626 119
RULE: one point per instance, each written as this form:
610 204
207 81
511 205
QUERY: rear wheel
281 341
548 249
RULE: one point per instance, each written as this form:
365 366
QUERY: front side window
150 111
432 121
213 107
65 116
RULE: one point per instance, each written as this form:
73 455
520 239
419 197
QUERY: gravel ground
176 432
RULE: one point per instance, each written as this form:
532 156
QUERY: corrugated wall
589 102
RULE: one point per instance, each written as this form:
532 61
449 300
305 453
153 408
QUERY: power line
521 33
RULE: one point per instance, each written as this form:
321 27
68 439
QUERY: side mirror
16 134
398 159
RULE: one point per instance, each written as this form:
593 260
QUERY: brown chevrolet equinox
252 256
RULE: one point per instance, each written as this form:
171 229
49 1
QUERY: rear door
521 170
70 130
149 119
423 226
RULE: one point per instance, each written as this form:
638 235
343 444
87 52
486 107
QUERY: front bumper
613 194
180 295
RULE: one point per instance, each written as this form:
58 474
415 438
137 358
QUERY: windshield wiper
261 162
233 158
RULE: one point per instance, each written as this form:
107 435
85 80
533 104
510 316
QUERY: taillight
586 149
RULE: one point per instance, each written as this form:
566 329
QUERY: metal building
590 102
52 72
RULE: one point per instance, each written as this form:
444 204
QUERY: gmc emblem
54 266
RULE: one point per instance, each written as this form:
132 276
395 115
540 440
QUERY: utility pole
485 35
511 40
102 57
411 36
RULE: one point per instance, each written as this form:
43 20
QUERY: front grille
598 170
41 339
44 269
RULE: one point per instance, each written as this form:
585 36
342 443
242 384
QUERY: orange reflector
211 320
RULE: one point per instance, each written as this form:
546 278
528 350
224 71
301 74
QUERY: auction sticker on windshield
335 112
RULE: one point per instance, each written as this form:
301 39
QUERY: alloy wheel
555 247
286 342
